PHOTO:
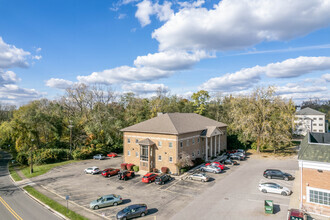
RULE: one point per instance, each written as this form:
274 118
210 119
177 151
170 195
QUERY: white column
211 142
206 153
219 143
215 146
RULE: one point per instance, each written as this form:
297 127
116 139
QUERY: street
14 203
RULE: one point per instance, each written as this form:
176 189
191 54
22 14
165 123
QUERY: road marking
10 209
262 201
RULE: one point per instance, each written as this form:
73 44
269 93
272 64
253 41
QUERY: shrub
22 158
154 170
164 170
123 166
198 161
136 168
84 153
183 170
45 156
129 166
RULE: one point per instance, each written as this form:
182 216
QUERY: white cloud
171 60
299 97
297 67
37 57
326 77
10 56
195 4
38 49
12 94
245 78
237 24
143 88
122 16
58 83
299 88
8 77
124 74
146 8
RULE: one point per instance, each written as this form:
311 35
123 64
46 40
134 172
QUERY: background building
314 165
161 141
309 120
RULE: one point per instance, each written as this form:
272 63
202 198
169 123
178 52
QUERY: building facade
314 167
161 141
309 120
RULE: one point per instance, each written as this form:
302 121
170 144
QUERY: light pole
31 158
70 126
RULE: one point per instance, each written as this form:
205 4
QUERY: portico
212 137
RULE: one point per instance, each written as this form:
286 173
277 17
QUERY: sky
227 47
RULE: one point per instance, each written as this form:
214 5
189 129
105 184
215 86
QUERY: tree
200 98
262 118
184 161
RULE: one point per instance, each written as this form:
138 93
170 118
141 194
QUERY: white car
92 170
274 188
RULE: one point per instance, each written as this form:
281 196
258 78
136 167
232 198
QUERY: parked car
216 164
112 154
231 151
105 201
99 157
133 211
277 174
274 188
236 156
125 175
211 169
163 178
241 150
199 176
92 170
230 162
240 154
149 177
296 214
110 172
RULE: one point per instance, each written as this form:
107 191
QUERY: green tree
200 99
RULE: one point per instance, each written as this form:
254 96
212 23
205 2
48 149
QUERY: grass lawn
53 204
42 169
14 174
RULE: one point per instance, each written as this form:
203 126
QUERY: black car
133 211
277 174
163 178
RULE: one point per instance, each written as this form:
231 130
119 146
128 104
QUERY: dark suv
277 174
133 211
162 178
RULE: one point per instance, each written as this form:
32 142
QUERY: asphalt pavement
14 203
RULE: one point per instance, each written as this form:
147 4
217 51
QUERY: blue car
133 211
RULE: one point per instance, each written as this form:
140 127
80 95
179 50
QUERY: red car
149 177
216 164
231 151
112 154
110 172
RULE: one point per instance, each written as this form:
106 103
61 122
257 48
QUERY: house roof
147 142
309 111
315 147
174 123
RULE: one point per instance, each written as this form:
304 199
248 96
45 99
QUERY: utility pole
31 157
70 126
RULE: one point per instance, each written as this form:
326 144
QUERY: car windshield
126 210
99 199
145 177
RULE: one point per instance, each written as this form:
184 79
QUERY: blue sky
229 46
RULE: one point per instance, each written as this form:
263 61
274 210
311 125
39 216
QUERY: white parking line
262 201
272 195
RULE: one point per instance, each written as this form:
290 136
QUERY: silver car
105 201
199 176
274 188
211 169
99 157
92 170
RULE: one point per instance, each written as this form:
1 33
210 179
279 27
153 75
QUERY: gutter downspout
301 187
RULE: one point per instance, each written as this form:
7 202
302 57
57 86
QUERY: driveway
237 196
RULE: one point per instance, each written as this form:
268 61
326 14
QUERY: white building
309 120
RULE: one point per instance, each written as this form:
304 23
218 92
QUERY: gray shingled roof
174 123
315 147
147 142
309 111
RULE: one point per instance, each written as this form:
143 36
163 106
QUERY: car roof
273 170
148 174
107 196
270 183
136 205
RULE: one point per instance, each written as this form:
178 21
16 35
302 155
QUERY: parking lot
163 201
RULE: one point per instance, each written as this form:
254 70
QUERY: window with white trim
159 143
187 142
198 152
129 153
319 196
160 157
170 144
137 154
193 154
193 141
170 159
198 140
181 144
136 140
128 140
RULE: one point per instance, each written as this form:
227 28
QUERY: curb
38 201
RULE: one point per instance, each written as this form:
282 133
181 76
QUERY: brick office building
314 165
159 142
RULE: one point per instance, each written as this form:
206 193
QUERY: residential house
309 120
314 165
160 141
